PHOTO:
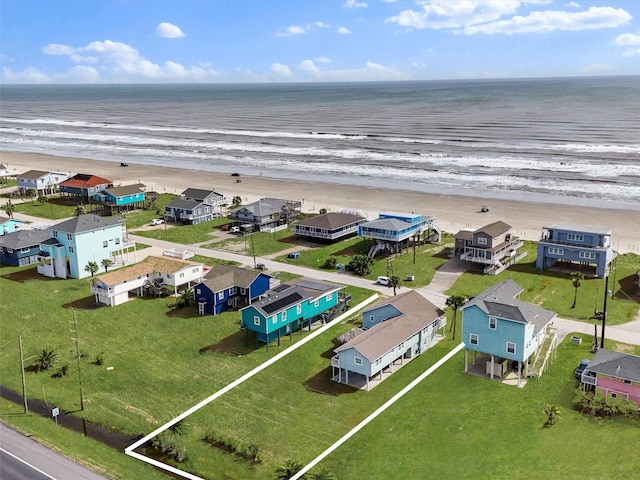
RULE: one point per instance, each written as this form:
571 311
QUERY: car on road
156 221
583 365
383 280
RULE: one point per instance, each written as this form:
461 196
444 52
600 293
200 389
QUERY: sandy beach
453 212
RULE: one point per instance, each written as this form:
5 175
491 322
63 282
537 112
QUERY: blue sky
232 41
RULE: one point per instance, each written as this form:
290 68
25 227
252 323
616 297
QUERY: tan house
493 247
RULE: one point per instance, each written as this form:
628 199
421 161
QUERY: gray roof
417 313
198 193
184 204
616 364
387 224
264 207
33 174
23 238
86 223
499 301
291 293
579 228
494 229
331 221
222 277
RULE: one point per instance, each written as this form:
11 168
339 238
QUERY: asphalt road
22 458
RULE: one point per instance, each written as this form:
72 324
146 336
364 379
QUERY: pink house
615 374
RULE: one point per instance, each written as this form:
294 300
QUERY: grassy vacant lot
554 290
183 234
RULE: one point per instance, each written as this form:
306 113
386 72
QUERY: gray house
332 226
396 330
21 247
267 214
195 206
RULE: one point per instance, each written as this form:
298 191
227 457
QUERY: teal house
117 199
289 307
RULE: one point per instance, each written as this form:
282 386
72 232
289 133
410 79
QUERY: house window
493 323
117 241
69 236
24 250
587 255
357 360
284 316
70 249
299 308
628 382
274 319
181 275
555 251
614 395
233 291
473 339
482 241
511 348
574 237
195 270
243 291
55 234
256 321
329 297
220 295
372 318
105 244
198 291
316 303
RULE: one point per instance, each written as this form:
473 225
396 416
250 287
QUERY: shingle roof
331 220
23 238
499 301
86 223
616 364
387 224
294 291
417 313
263 207
83 180
126 190
33 174
183 204
222 277
197 193
494 229
150 264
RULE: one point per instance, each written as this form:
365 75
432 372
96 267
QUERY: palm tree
91 267
80 210
455 302
322 211
184 300
9 208
236 201
288 469
106 263
576 277
323 474
553 414
395 282
362 265
45 360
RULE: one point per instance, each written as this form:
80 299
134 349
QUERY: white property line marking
130 449
27 464
371 417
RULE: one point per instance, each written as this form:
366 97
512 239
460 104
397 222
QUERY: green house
288 307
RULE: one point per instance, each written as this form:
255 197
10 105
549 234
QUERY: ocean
573 140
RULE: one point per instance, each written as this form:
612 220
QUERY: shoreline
453 211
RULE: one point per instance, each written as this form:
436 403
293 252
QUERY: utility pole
75 328
24 383
604 310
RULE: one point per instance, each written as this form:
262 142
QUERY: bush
597 405
330 263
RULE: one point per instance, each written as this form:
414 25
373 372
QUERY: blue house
9 225
117 199
21 247
506 332
288 307
391 231
395 331
84 186
195 206
575 244
226 287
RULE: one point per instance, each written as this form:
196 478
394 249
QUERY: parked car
225 228
383 280
234 229
581 368
156 221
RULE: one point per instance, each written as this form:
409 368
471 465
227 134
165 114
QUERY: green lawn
554 291
183 234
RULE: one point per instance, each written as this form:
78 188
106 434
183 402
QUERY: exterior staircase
544 353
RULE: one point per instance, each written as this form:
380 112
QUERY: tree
323 474
553 414
288 469
395 282
30 193
236 201
576 278
362 265
45 360
9 208
455 302
106 263
80 210
322 211
185 297
91 267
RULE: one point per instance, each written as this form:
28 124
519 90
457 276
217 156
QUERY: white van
235 229
382 281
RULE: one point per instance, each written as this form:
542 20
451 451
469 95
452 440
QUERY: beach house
395 331
84 186
21 247
41 182
153 275
288 307
114 200
74 243
505 333
580 245
330 227
266 215
391 231
226 287
10 225
195 206
615 374
493 247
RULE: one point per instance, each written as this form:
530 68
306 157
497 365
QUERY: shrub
330 263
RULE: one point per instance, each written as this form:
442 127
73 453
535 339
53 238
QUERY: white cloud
300 29
596 68
572 5
343 31
281 70
168 30
627 39
631 52
120 62
354 4
554 20
28 75
322 60
308 70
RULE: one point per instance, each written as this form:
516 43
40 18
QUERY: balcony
335 361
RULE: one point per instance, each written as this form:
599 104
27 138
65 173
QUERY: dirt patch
26 275
233 345
624 348
148 417
87 303
322 383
